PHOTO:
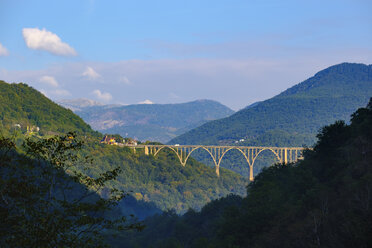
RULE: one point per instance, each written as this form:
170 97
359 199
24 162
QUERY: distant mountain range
155 122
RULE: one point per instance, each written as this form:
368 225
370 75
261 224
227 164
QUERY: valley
212 175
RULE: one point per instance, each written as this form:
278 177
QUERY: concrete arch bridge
250 153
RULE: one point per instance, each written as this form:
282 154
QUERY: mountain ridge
156 122
235 126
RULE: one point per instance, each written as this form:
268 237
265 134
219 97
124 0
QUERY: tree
46 200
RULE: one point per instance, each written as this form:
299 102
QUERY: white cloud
90 73
44 40
173 96
61 92
56 93
104 96
42 91
147 101
49 80
3 50
125 80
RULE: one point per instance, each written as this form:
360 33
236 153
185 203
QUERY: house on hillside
108 140
130 142
32 130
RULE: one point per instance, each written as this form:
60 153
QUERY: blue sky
235 52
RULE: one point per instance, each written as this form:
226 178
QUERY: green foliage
21 104
162 179
291 118
322 201
45 201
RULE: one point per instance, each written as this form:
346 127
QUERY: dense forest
163 180
322 201
21 104
156 184
45 201
291 118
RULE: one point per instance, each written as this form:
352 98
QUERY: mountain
322 201
291 118
22 106
297 113
162 181
157 122
78 104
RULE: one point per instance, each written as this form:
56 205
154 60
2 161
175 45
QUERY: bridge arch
217 153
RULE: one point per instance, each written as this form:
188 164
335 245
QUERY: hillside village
111 140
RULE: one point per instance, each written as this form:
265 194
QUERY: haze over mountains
155 122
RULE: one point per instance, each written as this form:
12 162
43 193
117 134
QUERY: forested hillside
329 95
322 201
156 122
23 105
45 200
291 118
161 181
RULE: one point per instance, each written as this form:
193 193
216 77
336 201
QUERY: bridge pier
251 178
285 155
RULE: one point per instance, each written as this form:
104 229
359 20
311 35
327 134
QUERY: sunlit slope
293 117
23 105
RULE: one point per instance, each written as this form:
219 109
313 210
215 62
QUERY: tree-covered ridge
300 111
161 180
23 105
323 201
157 122
291 118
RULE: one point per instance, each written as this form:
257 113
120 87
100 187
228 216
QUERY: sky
129 52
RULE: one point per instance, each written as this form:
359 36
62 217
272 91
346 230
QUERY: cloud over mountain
3 50
104 96
91 74
51 81
147 101
45 40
